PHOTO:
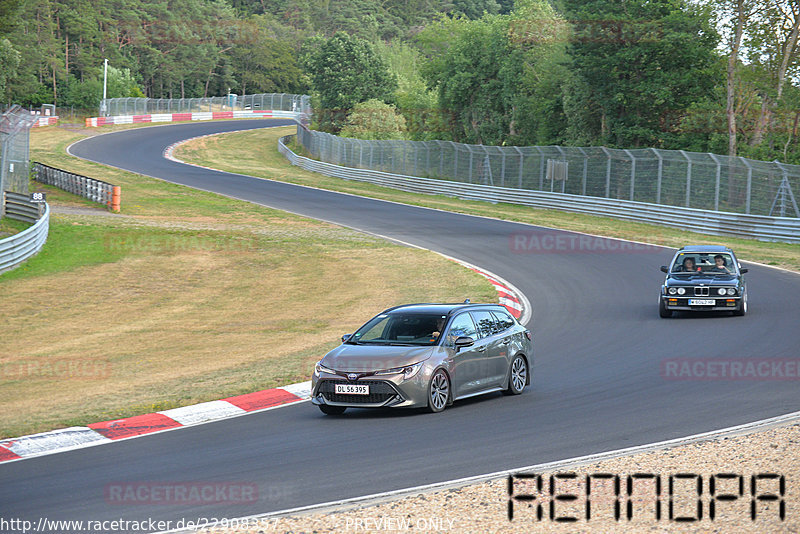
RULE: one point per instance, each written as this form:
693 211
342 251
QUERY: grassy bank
255 153
185 297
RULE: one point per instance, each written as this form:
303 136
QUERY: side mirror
743 270
464 341
346 337
664 269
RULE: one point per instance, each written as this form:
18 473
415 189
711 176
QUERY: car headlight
672 291
731 291
408 371
721 291
681 290
319 369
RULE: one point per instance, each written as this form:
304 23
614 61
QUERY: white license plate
351 389
701 302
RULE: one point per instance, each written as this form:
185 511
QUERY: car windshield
401 328
703 263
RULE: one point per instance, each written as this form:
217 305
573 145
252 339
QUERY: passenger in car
689 266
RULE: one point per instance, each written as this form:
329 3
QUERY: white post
105 78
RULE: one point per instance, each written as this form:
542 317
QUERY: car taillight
528 335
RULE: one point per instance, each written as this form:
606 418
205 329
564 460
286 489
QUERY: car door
500 361
490 345
467 363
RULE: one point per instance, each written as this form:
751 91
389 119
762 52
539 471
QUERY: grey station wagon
425 355
703 278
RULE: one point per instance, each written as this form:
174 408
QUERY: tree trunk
730 108
764 119
730 100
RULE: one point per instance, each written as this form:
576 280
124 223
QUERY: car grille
379 392
701 291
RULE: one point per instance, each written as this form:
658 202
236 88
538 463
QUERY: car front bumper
384 391
720 304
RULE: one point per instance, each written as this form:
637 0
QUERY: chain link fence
667 177
144 106
15 127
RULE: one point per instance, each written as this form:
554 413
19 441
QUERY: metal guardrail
77 184
706 221
19 247
19 207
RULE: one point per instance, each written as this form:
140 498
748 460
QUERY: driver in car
720 265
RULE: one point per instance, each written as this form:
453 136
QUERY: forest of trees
702 75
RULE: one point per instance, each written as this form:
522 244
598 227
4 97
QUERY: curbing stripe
505 294
134 426
131 427
6 454
263 399
200 413
301 390
65 438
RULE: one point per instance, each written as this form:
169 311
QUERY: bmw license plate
701 302
351 389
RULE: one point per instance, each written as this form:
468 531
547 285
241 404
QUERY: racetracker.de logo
563 243
705 369
180 493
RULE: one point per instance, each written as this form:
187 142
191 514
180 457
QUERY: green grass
186 297
255 153
9 227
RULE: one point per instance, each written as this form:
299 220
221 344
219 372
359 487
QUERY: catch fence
664 177
15 126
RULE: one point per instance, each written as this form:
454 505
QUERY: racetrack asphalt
598 380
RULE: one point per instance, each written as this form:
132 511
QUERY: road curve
598 382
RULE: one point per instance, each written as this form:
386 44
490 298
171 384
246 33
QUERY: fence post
541 168
749 184
455 160
441 159
470 162
585 170
608 172
428 158
503 168
716 183
521 163
784 193
688 177
633 170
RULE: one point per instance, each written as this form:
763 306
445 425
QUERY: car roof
705 248
439 308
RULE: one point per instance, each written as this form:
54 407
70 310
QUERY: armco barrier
19 247
95 190
193 116
705 221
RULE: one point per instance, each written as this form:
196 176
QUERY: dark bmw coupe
703 278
